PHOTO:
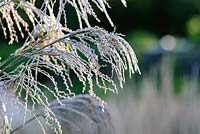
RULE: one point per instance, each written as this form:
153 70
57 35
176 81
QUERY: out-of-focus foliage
159 17
193 28
153 106
142 41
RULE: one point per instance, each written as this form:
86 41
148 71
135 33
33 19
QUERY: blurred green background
155 29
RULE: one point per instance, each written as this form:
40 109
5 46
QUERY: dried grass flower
52 49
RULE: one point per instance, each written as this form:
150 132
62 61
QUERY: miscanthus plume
51 50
